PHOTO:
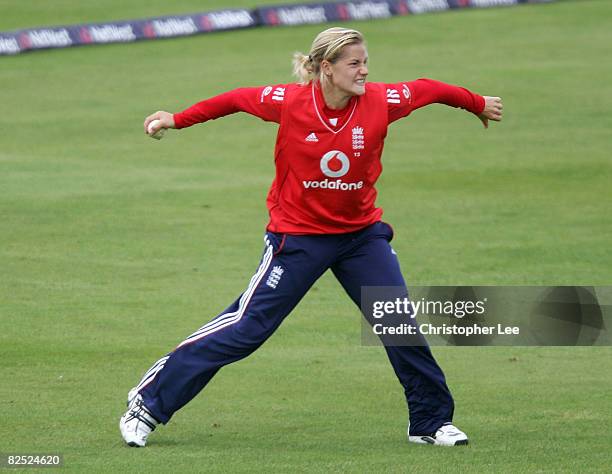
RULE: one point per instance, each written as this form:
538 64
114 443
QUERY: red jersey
327 161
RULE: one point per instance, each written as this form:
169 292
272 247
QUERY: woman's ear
326 68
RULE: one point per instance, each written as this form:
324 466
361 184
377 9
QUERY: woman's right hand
166 120
493 110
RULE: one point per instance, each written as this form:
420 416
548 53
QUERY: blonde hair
328 46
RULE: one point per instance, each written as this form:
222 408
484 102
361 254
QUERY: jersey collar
319 106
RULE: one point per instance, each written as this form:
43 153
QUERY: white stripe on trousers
227 319
150 374
221 321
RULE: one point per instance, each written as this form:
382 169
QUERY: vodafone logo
335 164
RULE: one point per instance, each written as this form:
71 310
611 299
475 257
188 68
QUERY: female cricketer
332 126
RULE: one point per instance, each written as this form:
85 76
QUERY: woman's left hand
493 110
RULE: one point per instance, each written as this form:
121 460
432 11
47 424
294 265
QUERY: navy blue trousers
290 265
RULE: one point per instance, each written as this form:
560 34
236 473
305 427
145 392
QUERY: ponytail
302 68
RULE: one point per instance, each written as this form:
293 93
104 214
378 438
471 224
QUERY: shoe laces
138 411
449 429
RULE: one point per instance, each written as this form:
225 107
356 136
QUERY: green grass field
114 247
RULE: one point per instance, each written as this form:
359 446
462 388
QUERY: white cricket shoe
131 395
447 435
137 422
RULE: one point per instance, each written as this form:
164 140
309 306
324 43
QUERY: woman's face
348 74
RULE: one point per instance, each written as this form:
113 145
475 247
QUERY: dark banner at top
14 42
313 13
124 31
416 7
481 3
